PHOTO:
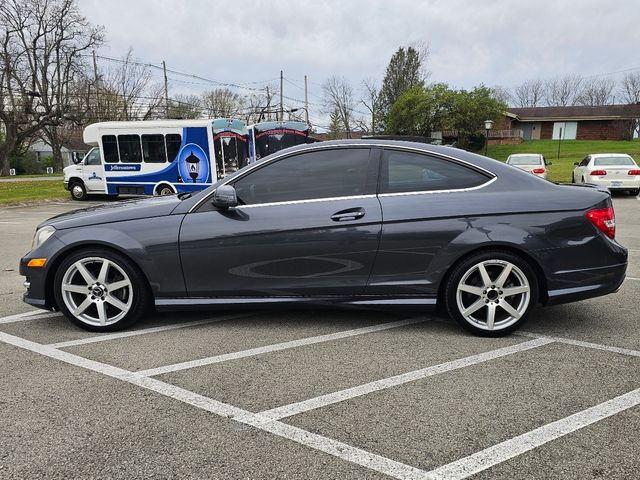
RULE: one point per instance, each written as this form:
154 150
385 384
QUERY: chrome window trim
363 145
309 200
426 192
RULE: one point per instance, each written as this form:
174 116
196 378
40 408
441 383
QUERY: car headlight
42 234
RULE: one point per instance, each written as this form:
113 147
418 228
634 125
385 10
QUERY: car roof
596 155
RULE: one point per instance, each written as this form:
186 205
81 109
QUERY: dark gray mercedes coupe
370 223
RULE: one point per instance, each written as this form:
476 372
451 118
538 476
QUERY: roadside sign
12 171
49 169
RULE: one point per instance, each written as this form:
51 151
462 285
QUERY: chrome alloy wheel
493 294
97 291
77 191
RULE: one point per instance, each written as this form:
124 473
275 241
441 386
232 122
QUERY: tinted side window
414 172
585 162
174 140
129 146
320 174
110 148
153 149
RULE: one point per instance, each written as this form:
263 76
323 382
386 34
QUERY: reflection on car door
418 221
310 225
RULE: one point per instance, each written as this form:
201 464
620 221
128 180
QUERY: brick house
606 122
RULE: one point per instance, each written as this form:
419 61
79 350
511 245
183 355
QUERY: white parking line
579 343
30 315
348 393
318 442
479 461
277 347
144 331
632 278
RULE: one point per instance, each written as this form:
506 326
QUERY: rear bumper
587 283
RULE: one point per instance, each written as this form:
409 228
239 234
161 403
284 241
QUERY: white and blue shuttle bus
158 157
266 138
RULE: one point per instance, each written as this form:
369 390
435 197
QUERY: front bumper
35 284
66 184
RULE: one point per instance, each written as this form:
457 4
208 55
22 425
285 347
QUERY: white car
530 162
616 171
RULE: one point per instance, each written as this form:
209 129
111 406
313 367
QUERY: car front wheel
101 291
490 293
78 191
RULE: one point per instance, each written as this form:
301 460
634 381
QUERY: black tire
510 322
78 190
634 192
141 297
163 190
573 178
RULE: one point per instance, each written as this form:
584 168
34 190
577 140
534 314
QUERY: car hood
116 211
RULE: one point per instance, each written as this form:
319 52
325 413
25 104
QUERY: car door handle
349 214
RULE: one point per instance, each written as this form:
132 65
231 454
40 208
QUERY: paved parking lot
319 393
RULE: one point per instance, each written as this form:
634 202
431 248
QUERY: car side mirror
576 163
549 163
76 159
225 197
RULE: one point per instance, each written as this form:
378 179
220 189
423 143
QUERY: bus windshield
271 137
231 152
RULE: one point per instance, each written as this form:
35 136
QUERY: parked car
616 171
530 162
370 223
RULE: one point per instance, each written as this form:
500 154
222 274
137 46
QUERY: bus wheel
164 189
78 191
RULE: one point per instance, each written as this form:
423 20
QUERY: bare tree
596 91
222 102
137 96
529 93
185 106
563 91
42 43
339 98
258 105
371 101
629 88
502 94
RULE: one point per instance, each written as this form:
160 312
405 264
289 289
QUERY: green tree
421 110
469 111
335 125
405 71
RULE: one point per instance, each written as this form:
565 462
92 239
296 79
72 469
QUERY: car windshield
525 160
613 161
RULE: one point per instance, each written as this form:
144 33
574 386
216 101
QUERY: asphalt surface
315 394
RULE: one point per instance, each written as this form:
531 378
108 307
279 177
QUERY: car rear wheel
100 291
573 178
490 293
78 191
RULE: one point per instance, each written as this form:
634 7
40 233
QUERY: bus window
110 149
174 140
129 146
153 149
232 150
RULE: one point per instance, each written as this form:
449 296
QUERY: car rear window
525 160
613 161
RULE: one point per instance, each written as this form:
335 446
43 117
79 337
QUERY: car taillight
604 219
634 172
599 172
538 170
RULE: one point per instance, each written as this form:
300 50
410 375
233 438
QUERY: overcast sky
471 41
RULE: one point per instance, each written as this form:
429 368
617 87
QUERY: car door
308 224
421 196
93 171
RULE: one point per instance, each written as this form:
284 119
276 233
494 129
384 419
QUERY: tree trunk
56 149
6 149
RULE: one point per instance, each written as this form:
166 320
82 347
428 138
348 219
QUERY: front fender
151 244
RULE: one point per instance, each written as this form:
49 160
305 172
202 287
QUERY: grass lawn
570 151
18 192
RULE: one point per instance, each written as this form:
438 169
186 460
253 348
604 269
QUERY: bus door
93 171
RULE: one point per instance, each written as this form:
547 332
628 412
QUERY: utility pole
281 97
95 80
306 101
268 105
166 90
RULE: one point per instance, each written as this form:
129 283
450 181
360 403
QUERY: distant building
43 150
606 122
